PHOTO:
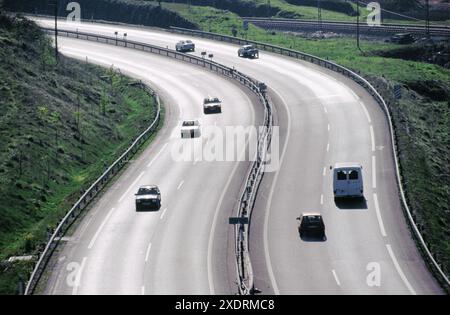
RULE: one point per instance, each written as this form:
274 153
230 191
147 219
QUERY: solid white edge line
131 186
336 277
374 172
354 94
372 138
147 253
399 270
91 244
378 213
78 277
157 155
269 202
365 111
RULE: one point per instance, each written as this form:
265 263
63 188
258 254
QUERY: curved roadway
324 118
116 250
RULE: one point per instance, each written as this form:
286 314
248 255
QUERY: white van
347 180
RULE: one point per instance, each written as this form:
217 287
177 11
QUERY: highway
324 118
116 250
295 25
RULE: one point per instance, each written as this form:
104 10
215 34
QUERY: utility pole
427 23
319 15
55 3
357 26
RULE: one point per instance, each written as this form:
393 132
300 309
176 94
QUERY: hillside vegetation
126 11
61 125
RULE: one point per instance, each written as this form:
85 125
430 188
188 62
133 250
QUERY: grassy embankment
61 124
288 9
420 117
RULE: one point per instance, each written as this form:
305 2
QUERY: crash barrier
62 227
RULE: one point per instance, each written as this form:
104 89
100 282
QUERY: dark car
311 224
248 51
148 198
212 105
403 38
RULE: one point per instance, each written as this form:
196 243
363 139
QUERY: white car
212 104
348 180
185 45
190 129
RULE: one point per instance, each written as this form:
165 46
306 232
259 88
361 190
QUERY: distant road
385 29
324 118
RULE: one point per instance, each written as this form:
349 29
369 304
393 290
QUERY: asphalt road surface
324 118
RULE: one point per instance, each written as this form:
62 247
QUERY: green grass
71 118
310 13
420 118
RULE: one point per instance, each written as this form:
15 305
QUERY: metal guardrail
88 196
247 200
428 256
254 176
384 29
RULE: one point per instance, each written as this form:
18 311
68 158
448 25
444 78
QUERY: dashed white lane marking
180 184
163 213
131 186
336 277
78 277
91 244
84 228
372 138
328 127
324 171
377 211
147 253
143 290
328 147
374 173
399 270
321 199
157 155
325 110
365 111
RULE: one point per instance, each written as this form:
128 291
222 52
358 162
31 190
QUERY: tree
104 101
43 113
55 119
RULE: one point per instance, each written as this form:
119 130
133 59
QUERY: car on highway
348 180
402 38
190 129
248 51
148 197
185 46
311 224
212 105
